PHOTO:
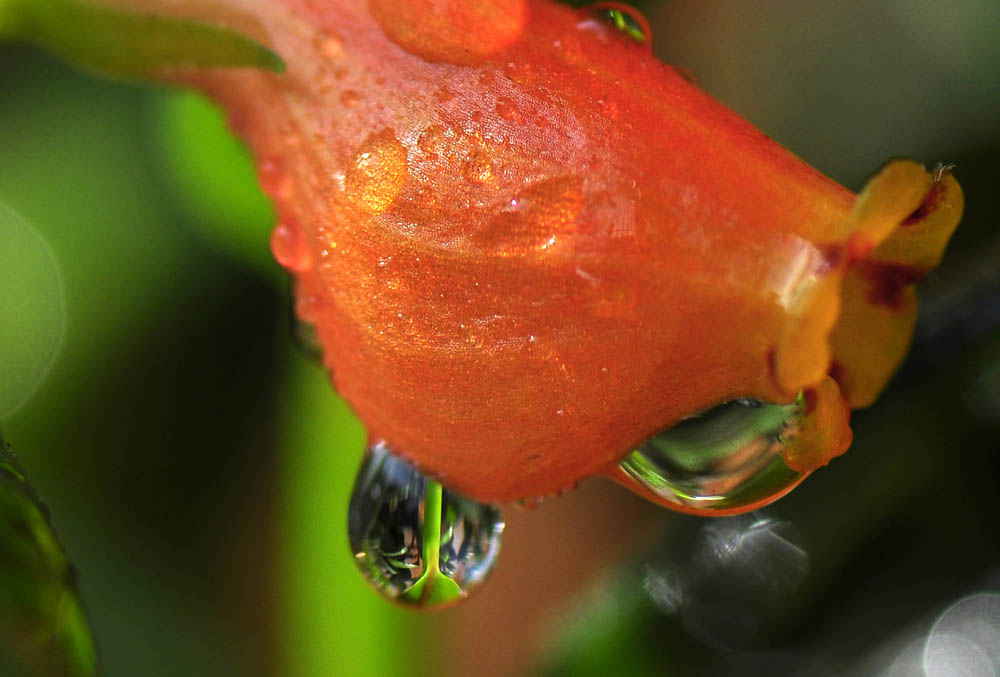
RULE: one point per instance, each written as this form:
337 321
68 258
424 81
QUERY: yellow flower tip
825 431
802 356
921 238
908 215
856 317
894 193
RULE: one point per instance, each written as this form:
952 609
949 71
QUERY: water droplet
350 98
460 33
537 218
378 172
274 180
520 72
329 45
623 18
443 94
478 167
728 458
289 246
415 541
507 109
432 140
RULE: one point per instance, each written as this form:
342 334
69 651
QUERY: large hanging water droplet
415 541
623 18
728 458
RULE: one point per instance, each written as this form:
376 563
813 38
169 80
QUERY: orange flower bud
527 246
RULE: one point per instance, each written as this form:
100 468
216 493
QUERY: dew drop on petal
477 168
415 541
432 140
507 110
329 45
350 98
623 18
274 180
377 173
452 31
726 458
289 247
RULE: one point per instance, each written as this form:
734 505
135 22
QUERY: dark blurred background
198 467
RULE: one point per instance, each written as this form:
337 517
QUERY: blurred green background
198 468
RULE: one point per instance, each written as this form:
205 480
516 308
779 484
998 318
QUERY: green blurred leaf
125 43
43 625
210 173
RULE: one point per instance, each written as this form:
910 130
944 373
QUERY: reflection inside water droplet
727 458
415 541
623 18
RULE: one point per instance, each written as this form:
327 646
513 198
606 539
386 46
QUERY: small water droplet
289 246
507 109
432 139
537 218
378 172
415 541
274 180
443 94
520 72
477 168
727 458
350 98
623 18
329 45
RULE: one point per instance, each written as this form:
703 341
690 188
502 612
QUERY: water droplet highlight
415 541
727 459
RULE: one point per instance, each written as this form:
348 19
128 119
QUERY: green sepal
129 44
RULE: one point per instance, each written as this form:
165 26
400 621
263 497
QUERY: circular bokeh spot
32 310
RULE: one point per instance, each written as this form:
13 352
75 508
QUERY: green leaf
130 44
43 625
